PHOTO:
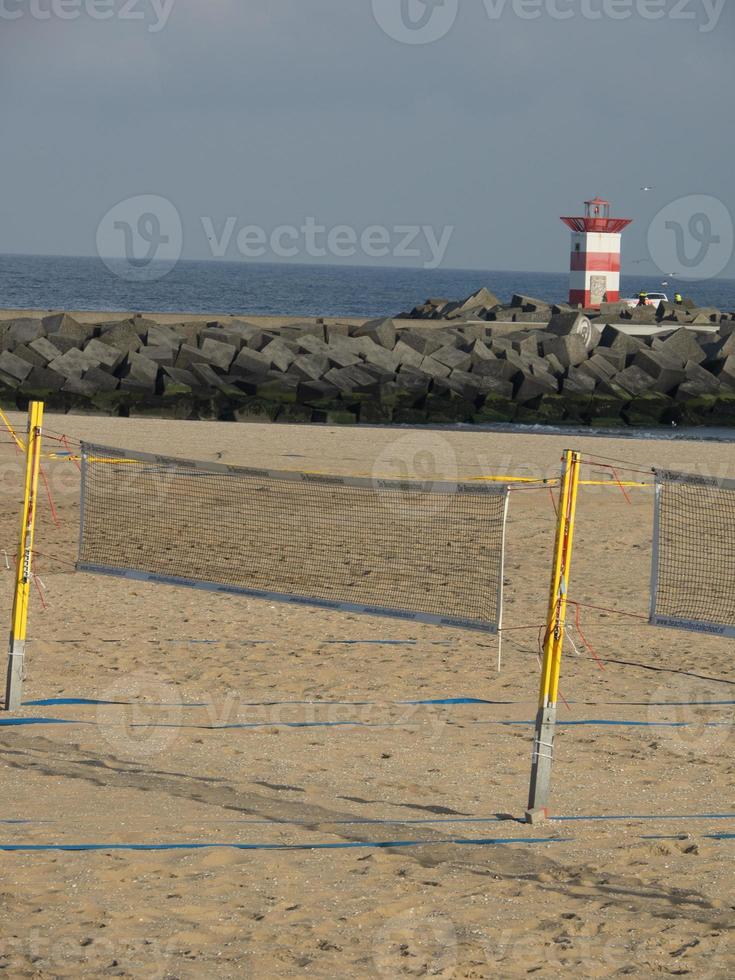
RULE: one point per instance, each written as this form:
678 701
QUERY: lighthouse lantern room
595 263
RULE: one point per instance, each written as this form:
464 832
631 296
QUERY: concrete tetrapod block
474 388
23 331
506 315
250 362
205 376
341 357
430 340
107 356
161 355
30 356
532 386
597 367
617 340
280 354
382 375
188 355
74 363
555 365
616 356
524 343
310 367
570 350
433 368
635 380
142 369
223 336
407 355
529 303
517 361
102 380
123 337
219 355
498 368
385 359
539 365
317 392
578 383
42 380
483 298
640 314
682 346
717 349
727 372
80 386
382 332
312 345
574 324
295 330
249 335
480 352
453 358
351 379
667 372
161 335
183 377
698 382
80 333
46 349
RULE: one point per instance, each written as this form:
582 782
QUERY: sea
281 289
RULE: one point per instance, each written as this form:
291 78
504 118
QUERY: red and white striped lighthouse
595 265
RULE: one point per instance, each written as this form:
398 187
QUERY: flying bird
646 188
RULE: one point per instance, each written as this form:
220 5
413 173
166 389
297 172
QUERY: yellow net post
16 653
543 745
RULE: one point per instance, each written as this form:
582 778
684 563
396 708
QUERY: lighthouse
595 263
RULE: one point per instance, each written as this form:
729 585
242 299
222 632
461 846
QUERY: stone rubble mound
473 367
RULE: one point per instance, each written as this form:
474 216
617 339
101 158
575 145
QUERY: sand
648 894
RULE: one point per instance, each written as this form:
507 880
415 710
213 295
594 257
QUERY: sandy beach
384 828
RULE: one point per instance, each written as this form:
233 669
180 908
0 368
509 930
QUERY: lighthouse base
590 298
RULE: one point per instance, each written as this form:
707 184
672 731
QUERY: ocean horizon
289 289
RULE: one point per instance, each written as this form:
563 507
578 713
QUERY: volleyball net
694 554
424 551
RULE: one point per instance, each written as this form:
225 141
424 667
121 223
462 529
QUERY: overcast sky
274 111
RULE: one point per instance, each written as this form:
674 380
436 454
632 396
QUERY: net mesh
430 552
694 556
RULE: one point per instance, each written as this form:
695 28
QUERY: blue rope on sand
342 845
585 722
48 702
